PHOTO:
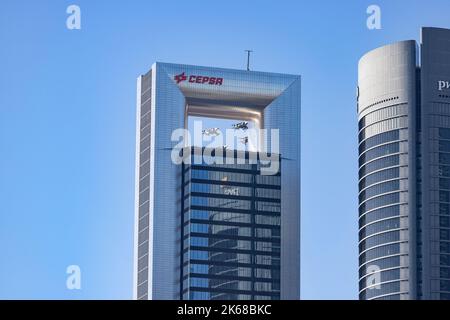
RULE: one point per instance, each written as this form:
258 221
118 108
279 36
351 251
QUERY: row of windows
379 252
231 204
231 284
379 239
378 164
200 295
444 133
378 177
381 264
239 285
380 201
445 285
220 176
217 229
444 273
444 158
444 145
444 209
444 171
445 260
444 196
381 114
232 257
234 190
239 177
379 277
444 222
232 230
444 183
221 189
380 226
226 271
232 217
444 296
217 243
379 214
385 288
379 189
224 257
383 126
205 269
388 297
214 161
217 283
268 206
379 139
444 234
444 247
268 193
268 180
378 152
217 216
218 202
231 244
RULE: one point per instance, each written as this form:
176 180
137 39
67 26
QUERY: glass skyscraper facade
404 147
199 237
231 233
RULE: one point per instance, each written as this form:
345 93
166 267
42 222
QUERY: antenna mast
248 59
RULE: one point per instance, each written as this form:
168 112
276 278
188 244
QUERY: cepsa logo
198 79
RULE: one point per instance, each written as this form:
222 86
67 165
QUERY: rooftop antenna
248 59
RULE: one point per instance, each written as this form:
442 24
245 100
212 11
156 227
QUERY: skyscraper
404 169
170 227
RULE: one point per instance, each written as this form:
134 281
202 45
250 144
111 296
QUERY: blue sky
67 125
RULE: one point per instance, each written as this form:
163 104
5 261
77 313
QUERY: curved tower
387 150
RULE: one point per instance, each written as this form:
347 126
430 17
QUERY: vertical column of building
386 104
435 147
284 114
142 186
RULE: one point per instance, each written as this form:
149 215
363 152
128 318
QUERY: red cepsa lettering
206 80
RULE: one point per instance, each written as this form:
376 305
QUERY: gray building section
166 96
404 115
435 151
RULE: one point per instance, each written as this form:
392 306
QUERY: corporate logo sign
198 79
443 85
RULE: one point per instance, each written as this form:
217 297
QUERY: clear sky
67 125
